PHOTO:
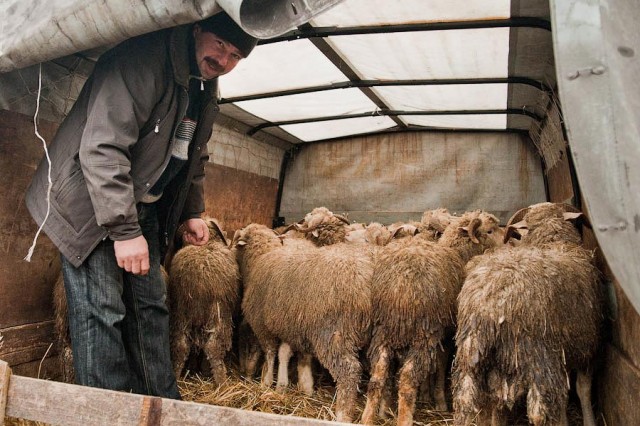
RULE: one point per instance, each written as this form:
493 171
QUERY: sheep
323 228
61 322
414 289
203 296
318 301
527 316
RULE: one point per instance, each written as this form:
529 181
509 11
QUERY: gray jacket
115 143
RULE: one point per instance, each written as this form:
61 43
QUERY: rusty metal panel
596 46
396 177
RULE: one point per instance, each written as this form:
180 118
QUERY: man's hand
195 231
133 255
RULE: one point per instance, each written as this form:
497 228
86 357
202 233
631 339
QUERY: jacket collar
179 55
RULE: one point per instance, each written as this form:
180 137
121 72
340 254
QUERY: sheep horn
518 216
216 226
471 230
303 227
395 233
288 228
343 218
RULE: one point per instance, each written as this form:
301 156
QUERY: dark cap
226 28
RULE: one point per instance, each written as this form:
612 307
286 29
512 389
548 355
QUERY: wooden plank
625 329
5 375
619 389
26 343
61 403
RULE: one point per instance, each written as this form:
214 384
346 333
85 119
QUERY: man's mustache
214 64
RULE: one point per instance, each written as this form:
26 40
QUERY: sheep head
400 230
255 234
544 222
473 233
323 227
434 222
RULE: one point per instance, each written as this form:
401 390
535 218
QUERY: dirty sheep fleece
527 316
203 297
317 300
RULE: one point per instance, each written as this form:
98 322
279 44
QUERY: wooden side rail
65 404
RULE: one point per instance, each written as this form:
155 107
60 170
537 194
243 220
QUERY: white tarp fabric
397 177
40 30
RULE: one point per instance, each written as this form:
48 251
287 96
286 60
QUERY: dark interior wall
25 288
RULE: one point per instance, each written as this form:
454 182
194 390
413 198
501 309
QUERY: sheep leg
498 416
539 411
67 365
347 386
215 349
249 350
269 363
284 356
377 383
439 386
466 399
305 375
387 395
583 388
179 351
341 359
408 383
251 360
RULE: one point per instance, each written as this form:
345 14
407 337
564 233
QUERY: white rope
46 152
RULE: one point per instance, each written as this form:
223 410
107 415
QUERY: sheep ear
236 239
572 215
512 232
219 230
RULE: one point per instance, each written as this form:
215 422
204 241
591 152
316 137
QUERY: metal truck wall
396 177
596 52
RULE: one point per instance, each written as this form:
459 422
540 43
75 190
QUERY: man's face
214 55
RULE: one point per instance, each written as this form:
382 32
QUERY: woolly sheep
203 296
318 301
527 316
414 289
323 227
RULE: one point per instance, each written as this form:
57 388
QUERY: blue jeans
119 322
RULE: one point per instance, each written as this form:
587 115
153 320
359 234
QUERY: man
127 169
